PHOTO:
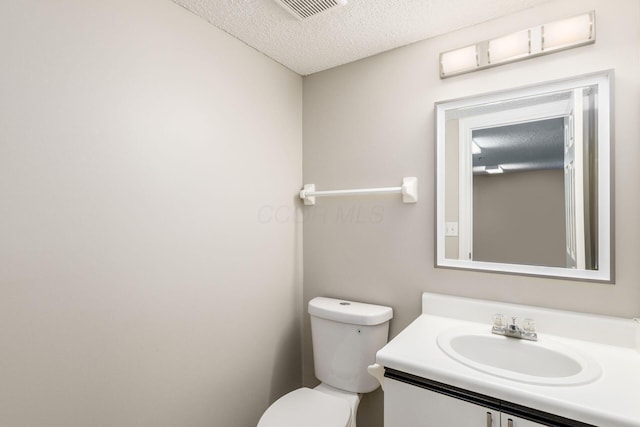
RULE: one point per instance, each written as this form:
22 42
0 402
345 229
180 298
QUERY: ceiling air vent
303 9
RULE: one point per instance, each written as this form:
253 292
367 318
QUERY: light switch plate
451 229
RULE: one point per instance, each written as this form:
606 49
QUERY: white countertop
612 400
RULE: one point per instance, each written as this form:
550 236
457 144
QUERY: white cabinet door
410 406
511 421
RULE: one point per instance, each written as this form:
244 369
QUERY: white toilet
346 336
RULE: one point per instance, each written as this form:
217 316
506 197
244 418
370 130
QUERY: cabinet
410 406
411 401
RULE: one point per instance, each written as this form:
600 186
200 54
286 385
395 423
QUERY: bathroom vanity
448 369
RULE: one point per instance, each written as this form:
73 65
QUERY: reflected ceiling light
475 149
494 170
543 39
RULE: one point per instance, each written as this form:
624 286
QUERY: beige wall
371 122
519 218
144 280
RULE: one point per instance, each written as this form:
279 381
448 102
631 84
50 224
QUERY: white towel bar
409 191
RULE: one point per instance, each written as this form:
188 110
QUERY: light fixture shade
459 60
509 47
568 32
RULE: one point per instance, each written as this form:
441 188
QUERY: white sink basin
544 362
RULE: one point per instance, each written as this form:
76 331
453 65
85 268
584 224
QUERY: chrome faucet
512 330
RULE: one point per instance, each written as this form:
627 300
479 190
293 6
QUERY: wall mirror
524 180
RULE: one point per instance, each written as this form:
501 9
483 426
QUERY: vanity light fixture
541 40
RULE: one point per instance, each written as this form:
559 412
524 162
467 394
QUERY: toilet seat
308 408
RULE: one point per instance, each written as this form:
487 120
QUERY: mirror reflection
519 180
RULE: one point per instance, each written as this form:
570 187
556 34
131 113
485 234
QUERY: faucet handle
529 326
498 324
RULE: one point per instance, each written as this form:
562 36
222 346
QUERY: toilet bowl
318 407
346 336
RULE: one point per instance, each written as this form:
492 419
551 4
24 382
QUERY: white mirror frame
605 273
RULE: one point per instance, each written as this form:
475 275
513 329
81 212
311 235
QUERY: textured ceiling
522 147
361 28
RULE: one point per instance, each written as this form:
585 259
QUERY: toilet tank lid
344 311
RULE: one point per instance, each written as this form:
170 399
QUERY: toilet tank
346 336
